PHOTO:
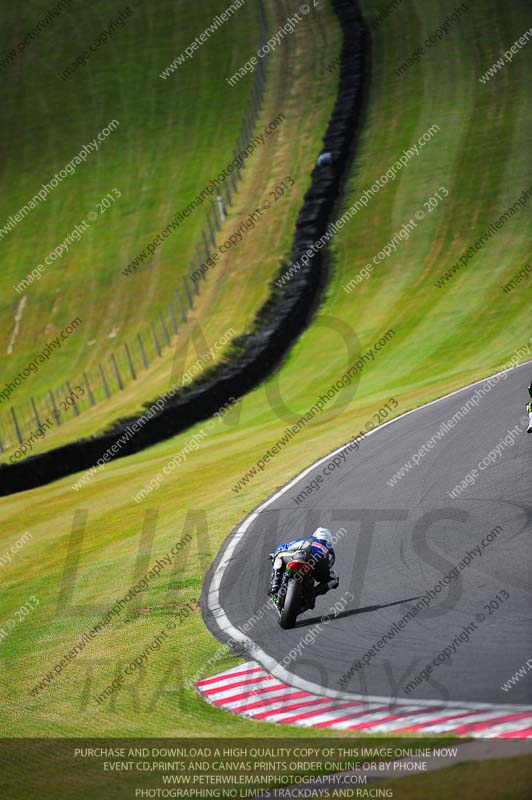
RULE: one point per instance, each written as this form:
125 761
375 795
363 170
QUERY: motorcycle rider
322 558
529 409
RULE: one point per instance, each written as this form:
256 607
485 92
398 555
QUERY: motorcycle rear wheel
292 604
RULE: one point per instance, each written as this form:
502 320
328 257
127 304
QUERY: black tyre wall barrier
279 322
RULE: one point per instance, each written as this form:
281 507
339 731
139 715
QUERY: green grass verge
503 779
159 157
162 163
444 338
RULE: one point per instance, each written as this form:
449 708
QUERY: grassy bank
444 338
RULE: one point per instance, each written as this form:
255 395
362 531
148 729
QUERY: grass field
156 157
508 779
444 338
161 156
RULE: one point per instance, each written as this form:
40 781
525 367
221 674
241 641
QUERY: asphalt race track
400 542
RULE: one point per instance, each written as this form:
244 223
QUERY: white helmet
324 535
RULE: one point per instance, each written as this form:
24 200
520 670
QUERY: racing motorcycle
296 593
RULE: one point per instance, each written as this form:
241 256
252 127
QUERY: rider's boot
275 583
326 586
